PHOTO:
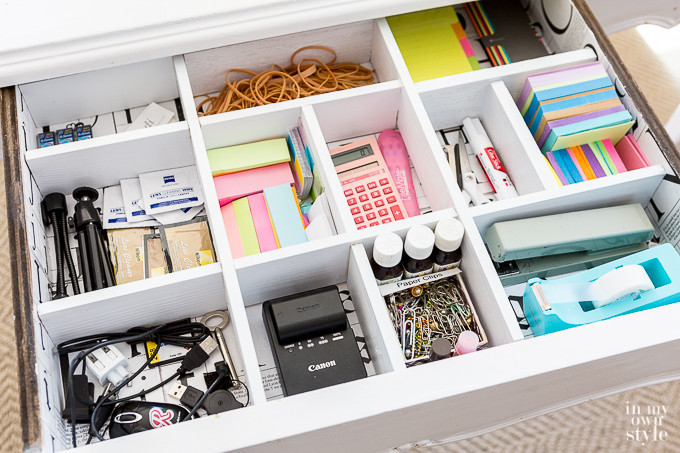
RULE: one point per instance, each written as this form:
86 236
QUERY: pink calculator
367 184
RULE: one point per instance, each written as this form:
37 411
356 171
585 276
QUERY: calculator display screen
356 170
352 154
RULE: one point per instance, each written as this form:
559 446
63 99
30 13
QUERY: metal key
223 316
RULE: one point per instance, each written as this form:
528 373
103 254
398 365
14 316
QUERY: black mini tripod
54 213
93 250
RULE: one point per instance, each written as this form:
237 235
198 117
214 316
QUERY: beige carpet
10 431
595 426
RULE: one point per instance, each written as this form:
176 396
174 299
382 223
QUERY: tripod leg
84 261
92 241
105 261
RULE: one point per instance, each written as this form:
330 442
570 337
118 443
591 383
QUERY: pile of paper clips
423 313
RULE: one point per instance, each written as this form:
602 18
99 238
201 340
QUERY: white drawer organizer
513 379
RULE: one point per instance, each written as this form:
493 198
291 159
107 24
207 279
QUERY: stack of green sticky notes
231 159
430 45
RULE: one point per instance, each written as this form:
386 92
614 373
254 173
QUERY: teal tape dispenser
643 280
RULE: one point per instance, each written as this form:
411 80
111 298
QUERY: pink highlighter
395 154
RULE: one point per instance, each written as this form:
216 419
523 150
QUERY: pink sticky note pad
233 235
631 154
618 163
263 225
243 183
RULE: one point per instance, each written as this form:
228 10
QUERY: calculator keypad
372 201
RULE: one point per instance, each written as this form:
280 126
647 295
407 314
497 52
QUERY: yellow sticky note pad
428 42
614 133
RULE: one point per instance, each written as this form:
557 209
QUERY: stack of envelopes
573 106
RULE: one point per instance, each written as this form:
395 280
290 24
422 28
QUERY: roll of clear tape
616 284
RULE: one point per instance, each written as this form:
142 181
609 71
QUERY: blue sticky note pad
569 103
564 159
283 210
568 90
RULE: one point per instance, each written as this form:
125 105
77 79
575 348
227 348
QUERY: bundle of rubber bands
306 77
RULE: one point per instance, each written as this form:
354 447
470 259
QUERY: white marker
483 149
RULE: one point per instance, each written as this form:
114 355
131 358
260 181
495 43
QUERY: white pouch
178 215
132 197
167 190
153 115
114 208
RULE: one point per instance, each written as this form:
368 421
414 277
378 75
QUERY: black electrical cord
81 357
61 279
201 400
67 252
182 333
179 333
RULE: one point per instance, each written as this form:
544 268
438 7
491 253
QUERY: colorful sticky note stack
504 30
264 221
568 107
433 43
595 160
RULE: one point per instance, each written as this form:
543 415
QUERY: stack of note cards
595 160
572 106
433 43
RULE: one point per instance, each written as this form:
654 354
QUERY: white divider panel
359 115
249 125
354 42
425 152
383 56
218 234
192 292
513 75
381 338
635 186
318 264
444 104
104 161
518 151
241 337
486 290
87 94
326 171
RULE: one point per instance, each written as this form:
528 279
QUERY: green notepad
231 159
246 227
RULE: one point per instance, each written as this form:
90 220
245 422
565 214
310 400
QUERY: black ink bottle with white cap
448 235
386 264
417 250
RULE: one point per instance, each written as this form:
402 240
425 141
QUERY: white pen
485 152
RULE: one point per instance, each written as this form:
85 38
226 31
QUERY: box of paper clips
428 308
